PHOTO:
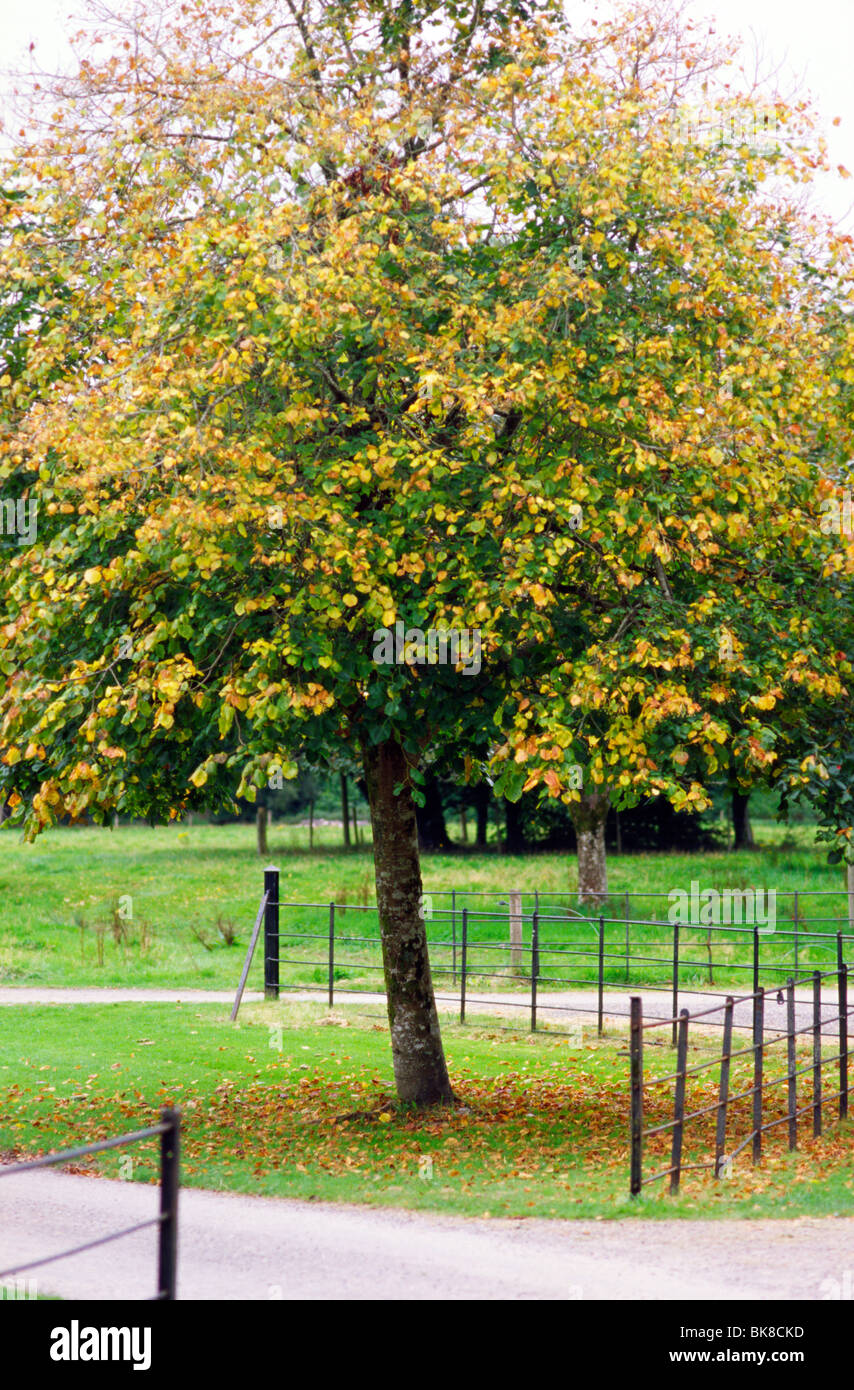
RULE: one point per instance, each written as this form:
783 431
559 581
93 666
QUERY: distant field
192 889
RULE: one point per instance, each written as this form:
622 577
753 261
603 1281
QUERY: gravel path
562 1009
236 1247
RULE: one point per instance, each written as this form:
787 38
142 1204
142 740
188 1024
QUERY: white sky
812 42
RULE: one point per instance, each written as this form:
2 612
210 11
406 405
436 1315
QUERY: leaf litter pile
515 1143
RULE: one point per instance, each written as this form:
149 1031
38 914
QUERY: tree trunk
420 1071
311 825
589 816
261 827
741 821
481 807
345 810
464 832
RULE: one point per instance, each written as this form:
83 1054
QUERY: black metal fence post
463 965
170 1159
535 968
636 1049
816 1054
792 1065
723 1092
758 1060
679 1102
331 953
755 960
271 934
601 974
675 1007
843 1040
627 911
797 931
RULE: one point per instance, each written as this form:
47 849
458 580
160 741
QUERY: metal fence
521 958
731 1105
169 1129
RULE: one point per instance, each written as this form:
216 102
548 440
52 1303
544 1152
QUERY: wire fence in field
535 957
703 1116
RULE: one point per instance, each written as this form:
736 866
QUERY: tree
350 374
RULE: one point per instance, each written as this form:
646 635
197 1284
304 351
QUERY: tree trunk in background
420 1071
482 793
515 843
345 810
464 831
430 818
261 827
311 825
589 816
741 821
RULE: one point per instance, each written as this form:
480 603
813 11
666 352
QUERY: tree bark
420 1071
464 833
345 811
261 827
589 816
742 829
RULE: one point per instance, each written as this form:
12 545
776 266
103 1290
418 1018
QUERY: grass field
542 1126
294 1102
192 893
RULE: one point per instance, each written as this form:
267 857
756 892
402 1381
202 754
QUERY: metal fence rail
755 1094
169 1129
541 954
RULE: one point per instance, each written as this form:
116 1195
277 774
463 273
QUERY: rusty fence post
675 1001
535 967
331 971
463 963
636 1051
601 975
758 1060
679 1103
843 1040
816 1054
723 1092
792 1065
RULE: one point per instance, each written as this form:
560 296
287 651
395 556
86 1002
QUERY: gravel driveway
236 1247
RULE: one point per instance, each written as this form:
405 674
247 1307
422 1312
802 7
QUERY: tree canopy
351 315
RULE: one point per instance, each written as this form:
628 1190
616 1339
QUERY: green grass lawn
293 1102
195 889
